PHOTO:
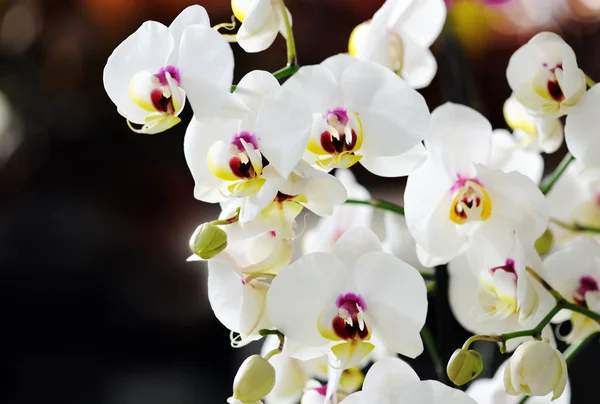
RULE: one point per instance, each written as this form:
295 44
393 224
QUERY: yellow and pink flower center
586 284
470 201
349 324
547 82
159 92
337 136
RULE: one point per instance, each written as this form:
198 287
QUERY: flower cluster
520 254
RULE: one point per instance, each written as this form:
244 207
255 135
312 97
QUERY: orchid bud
464 366
208 240
536 369
544 244
254 380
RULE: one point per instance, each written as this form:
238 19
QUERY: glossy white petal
254 87
399 242
390 377
581 130
434 392
355 243
459 137
418 64
199 138
395 117
194 14
206 67
317 86
398 305
147 49
508 156
225 293
260 27
283 127
427 202
362 397
396 166
295 300
518 198
423 21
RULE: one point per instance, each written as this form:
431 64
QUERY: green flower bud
464 366
208 240
254 379
544 244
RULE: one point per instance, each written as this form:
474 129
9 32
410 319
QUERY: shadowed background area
99 305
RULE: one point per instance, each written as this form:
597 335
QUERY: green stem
549 182
590 83
233 219
286 71
575 226
292 59
378 204
429 342
581 310
572 351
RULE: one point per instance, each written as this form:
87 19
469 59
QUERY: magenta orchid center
552 85
470 201
509 266
349 323
246 161
339 136
157 92
586 284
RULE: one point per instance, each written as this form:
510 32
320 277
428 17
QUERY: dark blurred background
98 303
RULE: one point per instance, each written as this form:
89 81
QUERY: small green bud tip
544 244
464 366
254 379
208 240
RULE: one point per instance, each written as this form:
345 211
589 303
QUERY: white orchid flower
575 272
392 381
149 75
490 290
533 133
359 292
399 37
261 21
248 158
329 229
536 369
491 391
237 288
361 112
454 195
545 77
581 129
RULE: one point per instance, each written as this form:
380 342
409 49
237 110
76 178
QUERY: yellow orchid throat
471 202
338 139
239 164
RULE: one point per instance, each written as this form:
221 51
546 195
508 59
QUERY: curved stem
429 342
590 83
383 205
292 59
289 70
575 226
549 182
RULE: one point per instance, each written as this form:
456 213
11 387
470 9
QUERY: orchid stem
575 226
379 204
536 332
292 58
549 182
429 342
590 83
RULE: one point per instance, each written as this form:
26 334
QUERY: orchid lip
586 284
162 75
509 266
